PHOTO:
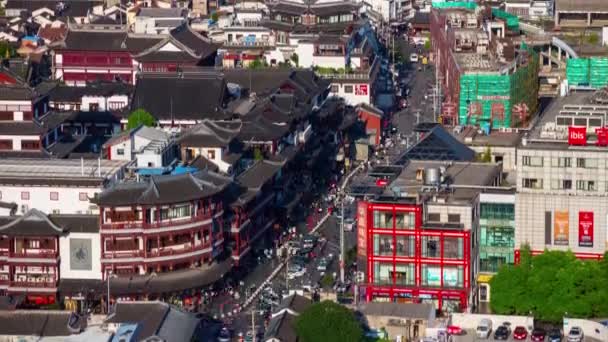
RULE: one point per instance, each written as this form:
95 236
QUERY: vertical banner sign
585 229
361 89
561 228
362 228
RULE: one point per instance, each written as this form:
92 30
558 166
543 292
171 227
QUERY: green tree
328 321
550 286
593 38
295 59
140 117
257 154
486 157
257 64
427 45
327 281
215 17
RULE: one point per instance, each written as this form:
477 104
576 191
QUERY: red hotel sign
602 136
577 135
585 229
362 228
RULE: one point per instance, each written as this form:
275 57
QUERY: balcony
123 254
42 254
240 43
155 225
33 284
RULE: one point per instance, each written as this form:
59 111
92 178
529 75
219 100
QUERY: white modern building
56 186
159 20
148 147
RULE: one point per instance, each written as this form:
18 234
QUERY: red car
454 330
520 333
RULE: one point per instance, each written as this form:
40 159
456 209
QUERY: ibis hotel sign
577 136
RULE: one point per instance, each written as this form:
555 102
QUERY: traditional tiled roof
164 189
110 41
40 323
208 134
32 223
63 93
259 174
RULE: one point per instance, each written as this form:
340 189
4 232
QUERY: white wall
329 61
126 146
64 251
305 52
149 159
470 321
103 102
590 328
351 98
68 202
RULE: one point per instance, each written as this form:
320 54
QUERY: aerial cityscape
303 170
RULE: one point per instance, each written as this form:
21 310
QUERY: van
484 328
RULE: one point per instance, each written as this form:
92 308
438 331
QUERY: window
587 163
453 248
532 161
25 195
211 154
405 246
561 184
335 88
56 211
404 274
431 275
30 145
383 219
383 273
175 212
0 195
383 244
115 105
405 220
453 218
120 151
348 89
83 197
434 217
532 183
430 247
33 244
561 162
585 185
54 195
453 276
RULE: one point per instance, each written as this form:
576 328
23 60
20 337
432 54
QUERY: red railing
123 255
161 224
33 255
170 251
4 253
36 284
4 281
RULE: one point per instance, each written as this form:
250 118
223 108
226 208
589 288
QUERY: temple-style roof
165 189
33 223
208 134
192 47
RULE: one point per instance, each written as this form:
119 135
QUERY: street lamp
109 275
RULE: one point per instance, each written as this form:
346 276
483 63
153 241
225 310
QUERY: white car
576 335
414 58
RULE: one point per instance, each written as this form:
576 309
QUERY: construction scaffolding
454 4
511 20
587 72
487 100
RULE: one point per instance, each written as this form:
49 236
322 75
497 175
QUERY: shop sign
561 228
585 229
493 98
362 228
484 278
361 89
433 276
602 136
577 135
450 277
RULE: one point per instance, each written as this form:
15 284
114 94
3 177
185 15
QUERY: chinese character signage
577 135
602 136
362 228
361 89
561 228
585 229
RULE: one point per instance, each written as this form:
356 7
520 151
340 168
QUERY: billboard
602 136
81 258
577 135
585 229
362 228
561 228
361 89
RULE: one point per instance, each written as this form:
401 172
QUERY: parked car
520 333
414 58
455 330
502 333
555 335
576 335
484 328
322 265
310 241
538 335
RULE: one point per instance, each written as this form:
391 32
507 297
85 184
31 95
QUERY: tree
487 155
295 59
257 154
328 321
140 117
257 64
593 39
327 281
427 44
550 286
215 17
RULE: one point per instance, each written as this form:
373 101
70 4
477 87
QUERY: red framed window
25 195
54 196
83 196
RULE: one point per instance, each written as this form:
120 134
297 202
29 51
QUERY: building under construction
488 81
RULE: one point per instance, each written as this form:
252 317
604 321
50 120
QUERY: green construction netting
498 93
450 4
598 71
512 20
577 71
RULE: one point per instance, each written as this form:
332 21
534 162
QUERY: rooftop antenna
171 101
98 167
81 166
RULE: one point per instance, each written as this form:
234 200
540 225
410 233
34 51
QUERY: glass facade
497 240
